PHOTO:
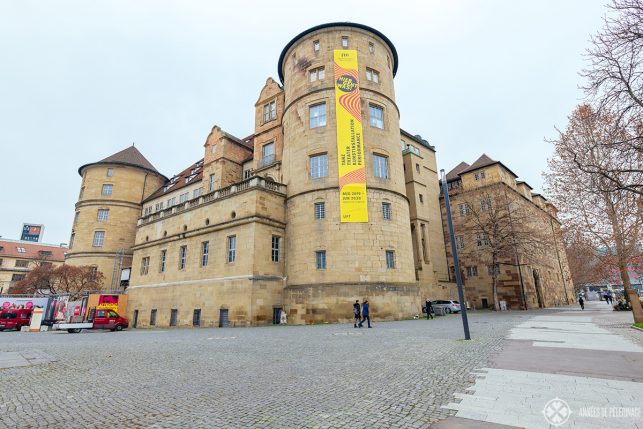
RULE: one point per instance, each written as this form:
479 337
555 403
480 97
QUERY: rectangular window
103 214
345 42
107 190
159 206
171 202
99 238
273 109
320 210
317 74
390 259
372 75
472 271
276 241
205 251
318 166
232 248
214 148
173 316
318 115
320 259
184 197
266 112
479 176
17 277
376 116
267 154
196 317
485 204
386 211
316 46
21 250
371 47
145 265
270 111
482 239
183 254
421 198
380 166
211 183
247 174
153 317
459 242
163 256
197 192
463 209
110 172
21 263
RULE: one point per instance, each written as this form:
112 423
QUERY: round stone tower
330 263
107 211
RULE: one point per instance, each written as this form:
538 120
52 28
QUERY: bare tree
501 227
610 217
65 279
584 260
615 87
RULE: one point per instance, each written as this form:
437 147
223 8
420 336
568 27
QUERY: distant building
18 257
523 280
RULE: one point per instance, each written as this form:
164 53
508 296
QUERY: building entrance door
276 316
135 321
539 291
223 318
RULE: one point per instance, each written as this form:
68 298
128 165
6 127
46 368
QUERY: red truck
15 318
99 318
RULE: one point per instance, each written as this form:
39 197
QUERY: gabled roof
129 157
520 182
28 250
189 176
454 174
485 161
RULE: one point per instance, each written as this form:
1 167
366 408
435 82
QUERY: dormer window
479 176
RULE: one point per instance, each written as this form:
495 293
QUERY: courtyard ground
398 374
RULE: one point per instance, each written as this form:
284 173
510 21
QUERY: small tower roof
130 157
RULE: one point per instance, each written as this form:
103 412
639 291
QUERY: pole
456 263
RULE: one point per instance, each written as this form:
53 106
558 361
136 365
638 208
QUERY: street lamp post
456 262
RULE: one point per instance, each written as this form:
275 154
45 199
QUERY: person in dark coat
429 309
356 313
581 301
365 314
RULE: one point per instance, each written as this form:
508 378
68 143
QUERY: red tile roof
10 249
189 176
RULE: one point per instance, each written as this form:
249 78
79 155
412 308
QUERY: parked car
100 318
450 306
15 318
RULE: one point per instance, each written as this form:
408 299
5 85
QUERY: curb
637 328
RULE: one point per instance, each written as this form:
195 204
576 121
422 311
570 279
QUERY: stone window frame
318 117
377 168
99 239
472 271
231 249
320 259
387 211
459 242
275 253
205 253
345 43
390 259
371 48
145 265
480 175
372 120
22 263
319 210
110 172
421 197
316 74
162 260
107 190
183 257
269 111
316 46
322 170
102 214
373 75
211 182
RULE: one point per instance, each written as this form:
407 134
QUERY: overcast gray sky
80 80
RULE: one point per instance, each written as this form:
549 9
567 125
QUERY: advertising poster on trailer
32 232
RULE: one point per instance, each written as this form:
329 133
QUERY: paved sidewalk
559 369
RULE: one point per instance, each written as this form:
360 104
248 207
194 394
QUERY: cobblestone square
397 374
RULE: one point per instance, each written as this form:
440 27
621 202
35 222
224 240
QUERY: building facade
253 228
492 211
18 257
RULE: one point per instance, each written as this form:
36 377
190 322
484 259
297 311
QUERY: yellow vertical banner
350 147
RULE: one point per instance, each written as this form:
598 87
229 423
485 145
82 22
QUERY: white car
450 306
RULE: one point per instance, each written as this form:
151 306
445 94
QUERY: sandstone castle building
325 202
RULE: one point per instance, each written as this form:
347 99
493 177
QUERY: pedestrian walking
356 313
429 309
581 301
365 314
